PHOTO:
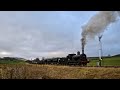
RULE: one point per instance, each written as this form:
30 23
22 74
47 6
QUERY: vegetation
34 71
11 60
19 69
107 61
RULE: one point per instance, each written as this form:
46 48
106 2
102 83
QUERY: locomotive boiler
79 59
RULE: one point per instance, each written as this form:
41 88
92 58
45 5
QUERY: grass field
29 71
22 70
113 61
12 62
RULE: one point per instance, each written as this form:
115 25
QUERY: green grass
12 62
112 61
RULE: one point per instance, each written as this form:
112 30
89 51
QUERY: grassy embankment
28 71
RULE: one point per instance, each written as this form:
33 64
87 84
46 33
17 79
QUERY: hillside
95 58
11 60
118 55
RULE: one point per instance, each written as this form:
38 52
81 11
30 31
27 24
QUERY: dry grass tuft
28 71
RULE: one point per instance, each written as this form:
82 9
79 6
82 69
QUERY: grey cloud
23 36
30 40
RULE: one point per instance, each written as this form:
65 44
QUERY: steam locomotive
70 59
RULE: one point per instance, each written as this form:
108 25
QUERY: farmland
112 61
28 71
12 62
22 70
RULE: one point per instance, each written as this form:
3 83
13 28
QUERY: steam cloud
97 24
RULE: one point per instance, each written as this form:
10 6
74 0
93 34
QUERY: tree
43 58
109 55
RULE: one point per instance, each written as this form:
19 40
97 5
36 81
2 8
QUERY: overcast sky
31 34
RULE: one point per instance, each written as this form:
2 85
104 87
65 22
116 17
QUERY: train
70 59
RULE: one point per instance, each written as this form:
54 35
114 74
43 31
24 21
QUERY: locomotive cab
69 57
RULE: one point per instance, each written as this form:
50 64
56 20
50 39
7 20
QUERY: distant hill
96 58
11 60
118 55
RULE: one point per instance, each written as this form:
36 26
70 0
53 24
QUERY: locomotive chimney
83 44
82 50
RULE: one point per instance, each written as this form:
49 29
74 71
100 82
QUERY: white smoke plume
97 24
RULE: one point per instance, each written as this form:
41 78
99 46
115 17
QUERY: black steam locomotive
70 59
